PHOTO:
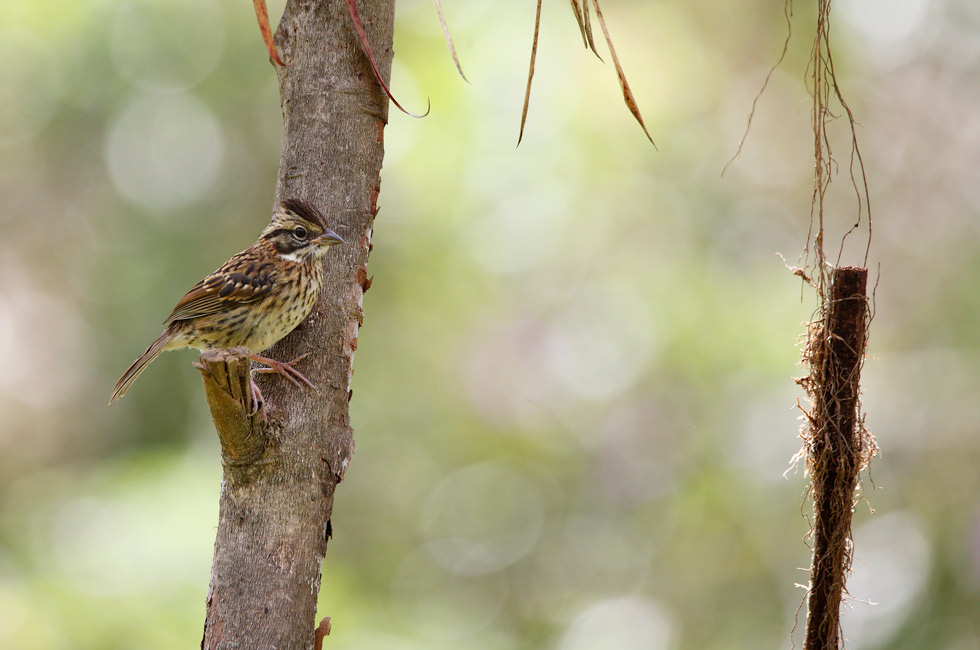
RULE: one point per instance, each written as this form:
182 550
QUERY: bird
254 299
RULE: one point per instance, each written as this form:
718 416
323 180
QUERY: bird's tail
158 346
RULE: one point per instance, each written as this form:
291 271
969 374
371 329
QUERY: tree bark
275 509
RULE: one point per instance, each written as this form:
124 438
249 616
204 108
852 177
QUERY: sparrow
256 298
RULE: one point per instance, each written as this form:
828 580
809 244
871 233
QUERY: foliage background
573 396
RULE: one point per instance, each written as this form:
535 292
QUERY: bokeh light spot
29 73
435 604
38 332
482 518
164 152
894 31
156 48
891 568
602 340
522 232
628 623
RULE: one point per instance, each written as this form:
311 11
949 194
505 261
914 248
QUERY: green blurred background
573 397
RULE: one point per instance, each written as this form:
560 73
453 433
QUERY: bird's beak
329 238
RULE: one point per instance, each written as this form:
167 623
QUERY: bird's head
299 232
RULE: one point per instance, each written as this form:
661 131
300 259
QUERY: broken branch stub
227 385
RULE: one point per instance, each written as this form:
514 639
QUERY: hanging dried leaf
587 27
449 39
577 9
623 84
263 17
355 18
530 72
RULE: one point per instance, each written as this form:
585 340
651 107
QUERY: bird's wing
230 286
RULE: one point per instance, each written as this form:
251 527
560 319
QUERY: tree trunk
275 506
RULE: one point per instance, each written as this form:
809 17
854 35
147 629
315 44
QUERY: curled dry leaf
449 40
530 72
355 18
263 17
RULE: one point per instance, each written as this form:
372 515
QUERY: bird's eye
300 232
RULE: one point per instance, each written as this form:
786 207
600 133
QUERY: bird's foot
284 368
257 399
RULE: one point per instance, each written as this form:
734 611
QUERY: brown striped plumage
257 297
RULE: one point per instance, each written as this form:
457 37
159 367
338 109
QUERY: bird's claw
284 368
257 399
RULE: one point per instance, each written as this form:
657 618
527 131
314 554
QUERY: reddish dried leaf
530 72
627 93
263 17
449 40
355 18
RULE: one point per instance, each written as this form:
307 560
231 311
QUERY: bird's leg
284 368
